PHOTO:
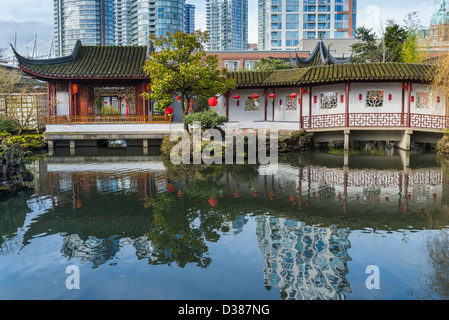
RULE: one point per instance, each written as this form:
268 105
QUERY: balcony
108 119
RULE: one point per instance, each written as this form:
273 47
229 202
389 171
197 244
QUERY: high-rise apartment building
91 21
189 18
122 22
155 17
115 22
283 23
227 23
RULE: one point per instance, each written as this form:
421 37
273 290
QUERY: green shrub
209 119
8 125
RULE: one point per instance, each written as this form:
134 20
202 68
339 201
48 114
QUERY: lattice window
328 100
374 98
291 104
251 104
424 100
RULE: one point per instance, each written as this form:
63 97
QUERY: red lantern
293 95
404 87
213 102
105 102
75 89
178 98
255 96
272 96
169 110
236 97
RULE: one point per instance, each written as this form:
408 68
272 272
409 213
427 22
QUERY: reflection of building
305 262
97 251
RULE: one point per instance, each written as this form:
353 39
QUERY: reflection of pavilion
305 262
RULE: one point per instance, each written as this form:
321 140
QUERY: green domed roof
442 16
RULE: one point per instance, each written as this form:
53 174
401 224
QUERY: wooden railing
378 120
108 119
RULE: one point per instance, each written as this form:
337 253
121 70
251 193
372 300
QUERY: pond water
322 226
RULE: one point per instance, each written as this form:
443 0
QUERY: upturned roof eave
46 77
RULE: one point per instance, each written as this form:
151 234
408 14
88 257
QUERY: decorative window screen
328 100
374 98
251 104
291 104
424 100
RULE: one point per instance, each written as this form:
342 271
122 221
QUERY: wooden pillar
265 94
347 89
54 100
409 92
144 109
70 97
301 92
403 105
310 107
227 104
49 99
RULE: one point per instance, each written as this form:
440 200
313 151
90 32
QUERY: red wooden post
347 89
265 94
300 107
227 104
48 99
310 108
409 89
70 98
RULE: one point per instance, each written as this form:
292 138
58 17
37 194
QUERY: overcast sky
30 17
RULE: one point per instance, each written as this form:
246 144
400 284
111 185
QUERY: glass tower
283 23
91 21
189 18
122 22
155 17
227 23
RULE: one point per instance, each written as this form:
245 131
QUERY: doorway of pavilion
112 101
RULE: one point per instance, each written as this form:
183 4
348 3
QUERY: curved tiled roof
91 62
354 72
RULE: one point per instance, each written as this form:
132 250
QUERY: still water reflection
140 228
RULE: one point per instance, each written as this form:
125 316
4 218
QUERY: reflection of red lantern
272 96
213 102
170 188
169 110
213 202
